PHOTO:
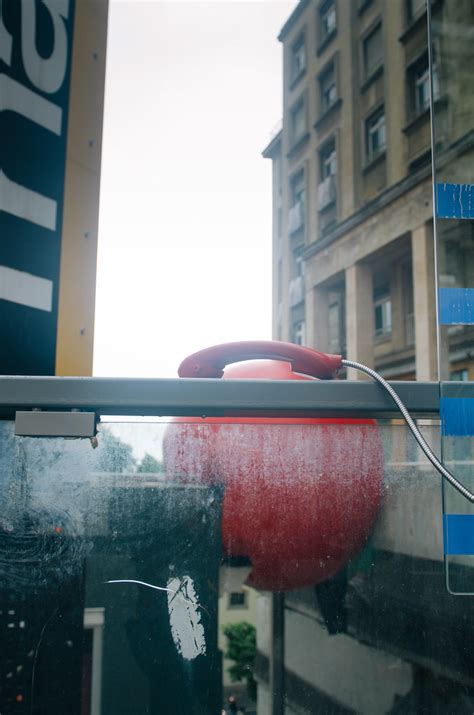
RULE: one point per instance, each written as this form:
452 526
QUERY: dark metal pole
277 655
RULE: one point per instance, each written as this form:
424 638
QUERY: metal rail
211 397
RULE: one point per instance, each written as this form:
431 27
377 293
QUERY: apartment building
353 258
354 273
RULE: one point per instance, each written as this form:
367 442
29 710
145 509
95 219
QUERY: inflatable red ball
301 495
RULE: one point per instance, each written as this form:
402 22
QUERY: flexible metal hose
416 433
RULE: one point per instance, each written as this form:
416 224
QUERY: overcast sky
193 91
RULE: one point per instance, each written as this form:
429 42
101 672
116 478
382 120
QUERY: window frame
297 73
369 122
299 104
298 332
382 299
336 305
329 69
418 75
459 375
422 79
368 74
238 606
322 11
411 15
297 192
298 177
327 154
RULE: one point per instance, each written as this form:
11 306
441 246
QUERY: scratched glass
116 586
452 54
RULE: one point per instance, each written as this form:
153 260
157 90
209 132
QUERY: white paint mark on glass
185 619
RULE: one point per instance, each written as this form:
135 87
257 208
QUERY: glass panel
108 597
452 55
327 589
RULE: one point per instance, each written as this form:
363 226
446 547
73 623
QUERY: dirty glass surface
311 554
452 55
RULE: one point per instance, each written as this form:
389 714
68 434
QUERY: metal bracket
39 423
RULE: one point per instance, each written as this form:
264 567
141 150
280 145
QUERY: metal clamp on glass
39 423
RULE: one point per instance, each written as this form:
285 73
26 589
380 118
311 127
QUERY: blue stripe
456 306
457 416
455 200
458 534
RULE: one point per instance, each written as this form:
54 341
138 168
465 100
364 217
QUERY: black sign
35 62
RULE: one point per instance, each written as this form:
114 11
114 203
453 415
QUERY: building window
363 5
459 375
298 189
298 121
238 599
327 175
336 326
299 333
372 48
408 303
415 8
298 59
327 21
296 288
419 87
422 89
435 72
382 311
327 88
296 217
375 134
328 160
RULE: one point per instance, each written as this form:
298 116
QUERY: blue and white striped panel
455 201
458 534
456 306
457 416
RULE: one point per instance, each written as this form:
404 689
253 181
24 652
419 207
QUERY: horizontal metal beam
210 397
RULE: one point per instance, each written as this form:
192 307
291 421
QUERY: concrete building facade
354 273
353 266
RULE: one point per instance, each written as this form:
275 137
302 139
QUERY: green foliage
114 455
241 648
150 464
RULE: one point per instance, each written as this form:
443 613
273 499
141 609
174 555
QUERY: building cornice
273 146
443 157
370 209
297 12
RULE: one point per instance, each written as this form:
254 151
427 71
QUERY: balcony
327 192
296 218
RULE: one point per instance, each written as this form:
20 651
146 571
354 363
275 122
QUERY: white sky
193 90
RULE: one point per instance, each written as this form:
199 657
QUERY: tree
150 464
114 455
241 648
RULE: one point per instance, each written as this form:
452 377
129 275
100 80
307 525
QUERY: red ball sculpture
301 495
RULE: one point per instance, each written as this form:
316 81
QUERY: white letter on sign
46 74
5 41
24 203
17 98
